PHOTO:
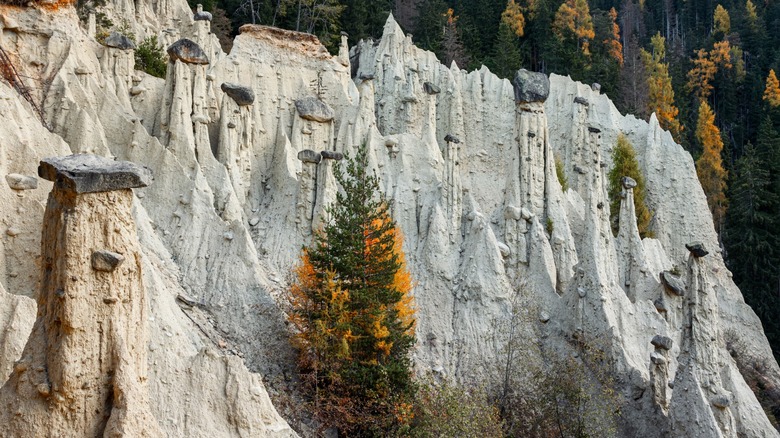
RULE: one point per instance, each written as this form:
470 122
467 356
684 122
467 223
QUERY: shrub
150 58
561 173
450 410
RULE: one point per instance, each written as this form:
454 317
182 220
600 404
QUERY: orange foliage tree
353 311
661 93
709 167
513 17
573 18
772 90
612 43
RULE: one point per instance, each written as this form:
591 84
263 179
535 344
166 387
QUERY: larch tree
659 84
722 20
612 43
573 19
705 67
513 18
709 166
352 307
625 164
772 90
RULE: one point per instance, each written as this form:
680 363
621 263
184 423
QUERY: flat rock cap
242 95
119 41
188 52
697 249
311 108
531 86
87 173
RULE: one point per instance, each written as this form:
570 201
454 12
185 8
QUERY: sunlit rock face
242 148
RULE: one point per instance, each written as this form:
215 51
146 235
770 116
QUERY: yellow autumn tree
573 18
612 43
513 17
752 14
709 166
661 93
772 90
353 312
722 20
706 65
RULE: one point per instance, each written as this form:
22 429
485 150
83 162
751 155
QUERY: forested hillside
707 70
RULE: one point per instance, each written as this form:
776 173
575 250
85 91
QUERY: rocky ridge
467 160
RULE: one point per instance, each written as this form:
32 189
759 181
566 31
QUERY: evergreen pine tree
352 306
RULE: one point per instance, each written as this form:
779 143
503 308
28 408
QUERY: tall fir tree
352 307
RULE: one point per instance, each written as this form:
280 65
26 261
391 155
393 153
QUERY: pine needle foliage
353 310
709 166
625 164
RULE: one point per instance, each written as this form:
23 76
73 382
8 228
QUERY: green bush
561 174
149 57
450 410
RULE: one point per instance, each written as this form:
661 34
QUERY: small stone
311 108
600 205
503 249
721 401
526 214
430 88
449 138
43 389
12 231
657 358
672 283
581 100
660 305
544 317
530 86
254 221
593 130
106 261
596 87
186 300
188 52
110 300
242 95
118 41
21 182
582 292
228 235
136 90
366 77
697 249
511 212
628 182
87 173
662 342
332 155
309 156
231 125
81 71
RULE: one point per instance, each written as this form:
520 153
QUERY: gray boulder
531 86
106 261
87 173
309 156
581 100
662 342
119 41
697 249
242 95
311 108
628 182
332 155
431 88
188 52
449 138
672 283
201 15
